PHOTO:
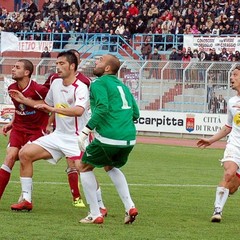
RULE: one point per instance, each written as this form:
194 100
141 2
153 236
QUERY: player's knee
85 168
232 190
108 168
71 170
229 176
10 160
24 155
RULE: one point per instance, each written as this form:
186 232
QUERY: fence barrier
194 87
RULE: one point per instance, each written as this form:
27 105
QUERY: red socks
74 183
4 179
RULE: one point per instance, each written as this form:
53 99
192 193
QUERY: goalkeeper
113 110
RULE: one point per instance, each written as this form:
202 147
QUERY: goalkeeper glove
82 138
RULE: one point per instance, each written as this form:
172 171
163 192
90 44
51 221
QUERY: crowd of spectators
124 17
187 55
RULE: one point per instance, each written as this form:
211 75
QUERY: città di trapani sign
180 122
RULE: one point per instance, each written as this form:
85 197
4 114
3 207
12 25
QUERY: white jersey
60 96
233 121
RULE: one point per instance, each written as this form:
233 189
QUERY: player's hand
82 138
49 129
6 128
44 107
203 142
18 96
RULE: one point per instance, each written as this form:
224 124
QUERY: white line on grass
131 184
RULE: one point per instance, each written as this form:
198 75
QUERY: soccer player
68 99
113 110
231 159
73 166
28 123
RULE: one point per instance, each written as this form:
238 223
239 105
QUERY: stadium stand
127 24
122 28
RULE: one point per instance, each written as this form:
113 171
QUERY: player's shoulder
57 82
13 86
37 87
80 84
53 76
234 99
34 84
83 78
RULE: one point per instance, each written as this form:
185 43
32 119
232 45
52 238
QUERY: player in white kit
231 159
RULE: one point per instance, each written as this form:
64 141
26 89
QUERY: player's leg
6 168
95 158
73 180
121 185
120 182
89 185
101 205
27 155
119 157
222 191
235 183
17 139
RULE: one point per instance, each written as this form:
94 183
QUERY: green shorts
101 155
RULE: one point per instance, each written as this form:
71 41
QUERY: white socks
89 185
99 198
121 185
26 183
221 197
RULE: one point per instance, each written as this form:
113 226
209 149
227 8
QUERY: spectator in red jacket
133 10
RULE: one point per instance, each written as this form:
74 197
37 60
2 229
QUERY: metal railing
90 42
157 85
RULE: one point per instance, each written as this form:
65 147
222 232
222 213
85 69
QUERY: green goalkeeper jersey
113 110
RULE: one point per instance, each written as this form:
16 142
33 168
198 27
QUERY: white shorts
232 153
60 145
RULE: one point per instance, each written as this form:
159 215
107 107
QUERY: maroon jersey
86 80
29 120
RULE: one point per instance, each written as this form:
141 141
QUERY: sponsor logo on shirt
22 111
25 113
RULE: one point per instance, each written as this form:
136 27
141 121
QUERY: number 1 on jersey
123 97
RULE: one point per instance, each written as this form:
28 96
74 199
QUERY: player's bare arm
205 142
18 96
68 111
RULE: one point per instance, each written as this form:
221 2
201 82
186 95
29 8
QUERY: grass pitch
173 188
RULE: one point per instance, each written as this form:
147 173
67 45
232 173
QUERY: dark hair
76 52
28 65
71 58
